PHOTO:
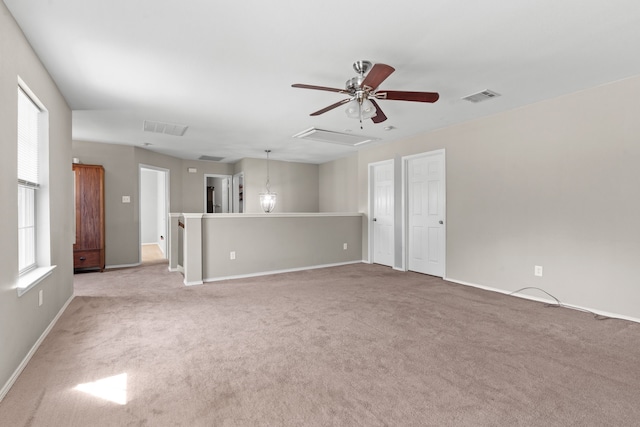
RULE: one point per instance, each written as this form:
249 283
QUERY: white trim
195 215
272 215
287 270
12 379
174 270
197 282
544 300
32 278
109 267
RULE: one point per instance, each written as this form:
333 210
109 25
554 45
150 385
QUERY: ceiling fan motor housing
362 67
354 84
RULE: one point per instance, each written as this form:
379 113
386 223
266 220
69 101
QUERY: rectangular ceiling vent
481 96
210 158
166 128
334 137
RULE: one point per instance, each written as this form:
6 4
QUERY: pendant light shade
268 199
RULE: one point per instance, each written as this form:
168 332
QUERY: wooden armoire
88 248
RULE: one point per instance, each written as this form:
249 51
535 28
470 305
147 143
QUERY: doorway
425 195
217 193
154 210
238 192
381 208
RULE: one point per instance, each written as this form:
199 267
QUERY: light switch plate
126 199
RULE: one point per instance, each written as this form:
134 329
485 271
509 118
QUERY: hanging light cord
268 185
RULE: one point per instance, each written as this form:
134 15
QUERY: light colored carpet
357 345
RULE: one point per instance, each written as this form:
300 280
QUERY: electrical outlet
344 246
232 255
126 199
537 270
40 297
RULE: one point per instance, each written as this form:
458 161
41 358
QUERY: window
28 139
34 230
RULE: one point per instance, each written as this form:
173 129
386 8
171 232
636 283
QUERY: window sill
32 278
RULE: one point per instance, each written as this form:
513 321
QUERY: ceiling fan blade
329 89
330 107
380 116
377 75
399 95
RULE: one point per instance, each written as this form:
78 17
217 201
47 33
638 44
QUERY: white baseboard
109 267
288 270
545 300
5 389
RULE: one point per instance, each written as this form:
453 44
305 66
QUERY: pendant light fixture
268 199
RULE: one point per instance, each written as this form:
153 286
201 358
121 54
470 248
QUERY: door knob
374 219
441 222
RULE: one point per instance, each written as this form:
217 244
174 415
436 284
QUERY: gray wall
295 183
552 184
121 179
193 183
122 220
338 188
275 242
22 322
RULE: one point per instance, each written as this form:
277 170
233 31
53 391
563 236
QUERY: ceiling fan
363 91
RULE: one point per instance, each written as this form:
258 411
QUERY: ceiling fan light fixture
354 109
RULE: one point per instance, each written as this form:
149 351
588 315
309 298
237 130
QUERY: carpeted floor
357 345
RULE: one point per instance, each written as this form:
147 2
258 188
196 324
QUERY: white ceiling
225 68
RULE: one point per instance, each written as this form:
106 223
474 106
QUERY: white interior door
162 211
382 216
426 213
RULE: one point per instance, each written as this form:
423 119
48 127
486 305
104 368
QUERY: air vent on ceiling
481 96
334 137
166 128
210 158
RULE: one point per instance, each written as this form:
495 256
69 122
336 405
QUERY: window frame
39 265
